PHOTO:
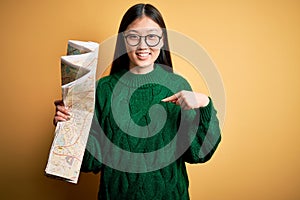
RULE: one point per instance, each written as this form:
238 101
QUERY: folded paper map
78 73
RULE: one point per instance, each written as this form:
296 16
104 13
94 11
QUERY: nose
143 44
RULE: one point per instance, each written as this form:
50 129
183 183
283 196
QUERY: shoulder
104 80
107 82
104 89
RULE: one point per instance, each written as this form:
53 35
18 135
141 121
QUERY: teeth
143 54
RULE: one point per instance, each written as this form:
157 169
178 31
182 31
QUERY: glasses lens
133 39
152 40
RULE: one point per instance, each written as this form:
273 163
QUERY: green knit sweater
140 144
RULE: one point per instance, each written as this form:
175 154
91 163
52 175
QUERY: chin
146 65
143 64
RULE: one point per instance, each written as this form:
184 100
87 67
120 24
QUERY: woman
138 81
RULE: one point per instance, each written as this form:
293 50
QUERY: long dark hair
121 59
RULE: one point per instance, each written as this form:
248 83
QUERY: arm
208 134
92 156
207 138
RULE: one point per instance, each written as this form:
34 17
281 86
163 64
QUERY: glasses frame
140 39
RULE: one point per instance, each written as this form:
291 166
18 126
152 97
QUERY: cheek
130 49
130 52
156 50
155 53
131 55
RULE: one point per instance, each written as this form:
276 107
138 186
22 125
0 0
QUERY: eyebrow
150 30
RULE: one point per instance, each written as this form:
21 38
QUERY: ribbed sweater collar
142 80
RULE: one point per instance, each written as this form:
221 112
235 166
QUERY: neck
141 69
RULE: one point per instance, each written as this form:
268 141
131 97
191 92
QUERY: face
143 51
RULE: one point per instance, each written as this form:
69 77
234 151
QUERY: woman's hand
188 100
62 113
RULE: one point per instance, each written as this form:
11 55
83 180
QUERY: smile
143 54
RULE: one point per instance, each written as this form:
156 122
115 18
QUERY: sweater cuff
205 112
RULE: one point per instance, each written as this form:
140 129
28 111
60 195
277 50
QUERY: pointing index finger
172 98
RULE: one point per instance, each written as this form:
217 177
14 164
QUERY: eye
152 37
133 37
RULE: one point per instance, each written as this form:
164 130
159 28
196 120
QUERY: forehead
143 25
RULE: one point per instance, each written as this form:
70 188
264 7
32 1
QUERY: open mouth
143 54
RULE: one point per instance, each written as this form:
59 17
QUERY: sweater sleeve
92 156
207 137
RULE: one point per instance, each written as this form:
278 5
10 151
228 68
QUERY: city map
78 74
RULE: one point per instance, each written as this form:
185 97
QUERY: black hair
121 59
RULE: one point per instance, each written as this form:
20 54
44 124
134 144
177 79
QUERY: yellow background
255 45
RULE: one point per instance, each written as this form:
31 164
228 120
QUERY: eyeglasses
151 40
